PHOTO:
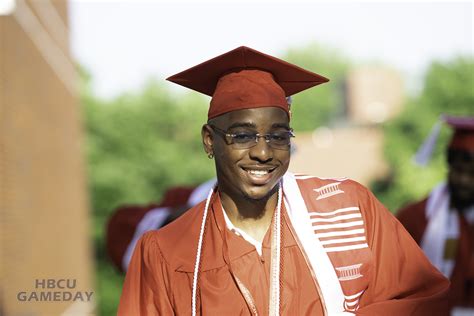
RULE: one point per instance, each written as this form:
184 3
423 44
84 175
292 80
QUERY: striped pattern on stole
338 223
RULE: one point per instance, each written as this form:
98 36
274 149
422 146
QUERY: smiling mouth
259 172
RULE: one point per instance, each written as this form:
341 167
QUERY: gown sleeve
144 291
403 281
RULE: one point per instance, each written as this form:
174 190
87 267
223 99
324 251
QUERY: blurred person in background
266 241
129 222
443 223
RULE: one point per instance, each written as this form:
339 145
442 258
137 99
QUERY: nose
261 151
462 176
466 180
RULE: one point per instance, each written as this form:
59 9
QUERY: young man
443 223
266 242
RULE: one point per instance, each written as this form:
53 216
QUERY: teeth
258 172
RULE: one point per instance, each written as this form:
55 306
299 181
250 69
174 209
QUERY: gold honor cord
274 297
247 296
275 268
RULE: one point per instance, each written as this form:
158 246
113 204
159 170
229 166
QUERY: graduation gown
396 278
461 292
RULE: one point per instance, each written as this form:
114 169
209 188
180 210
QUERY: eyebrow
281 125
252 125
241 124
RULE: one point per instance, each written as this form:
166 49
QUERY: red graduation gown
461 292
159 279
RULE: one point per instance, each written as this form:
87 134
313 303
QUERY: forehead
264 117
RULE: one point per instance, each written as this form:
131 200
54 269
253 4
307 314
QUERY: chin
260 193
462 202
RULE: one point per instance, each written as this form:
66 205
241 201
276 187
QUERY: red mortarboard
245 78
463 137
176 196
121 229
122 225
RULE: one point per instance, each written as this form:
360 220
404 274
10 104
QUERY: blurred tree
137 146
448 89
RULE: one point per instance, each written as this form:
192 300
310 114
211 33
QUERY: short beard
261 201
460 204
264 198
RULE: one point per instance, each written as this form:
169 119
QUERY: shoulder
413 218
183 225
328 187
175 241
338 194
413 209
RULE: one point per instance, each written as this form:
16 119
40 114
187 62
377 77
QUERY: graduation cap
462 139
244 78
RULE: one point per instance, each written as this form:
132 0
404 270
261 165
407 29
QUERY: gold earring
210 155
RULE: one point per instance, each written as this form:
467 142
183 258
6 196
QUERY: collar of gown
178 240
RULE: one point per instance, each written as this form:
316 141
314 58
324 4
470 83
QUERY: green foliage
138 145
448 89
109 287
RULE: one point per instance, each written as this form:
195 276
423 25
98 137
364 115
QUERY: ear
207 140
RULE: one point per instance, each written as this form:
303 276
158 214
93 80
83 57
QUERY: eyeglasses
247 139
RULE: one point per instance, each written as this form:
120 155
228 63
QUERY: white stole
331 291
443 224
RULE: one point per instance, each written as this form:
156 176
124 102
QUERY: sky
123 43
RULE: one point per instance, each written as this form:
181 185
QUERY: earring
210 155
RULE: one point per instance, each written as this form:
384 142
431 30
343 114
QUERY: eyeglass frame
229 138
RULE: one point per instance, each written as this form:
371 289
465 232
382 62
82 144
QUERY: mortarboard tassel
424 153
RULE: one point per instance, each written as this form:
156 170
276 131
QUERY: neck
252 216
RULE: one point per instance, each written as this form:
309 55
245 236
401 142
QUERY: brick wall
44 219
